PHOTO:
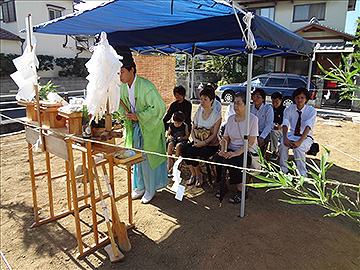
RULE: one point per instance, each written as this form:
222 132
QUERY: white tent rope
248 16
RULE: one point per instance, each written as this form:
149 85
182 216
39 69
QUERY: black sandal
217 194
237 198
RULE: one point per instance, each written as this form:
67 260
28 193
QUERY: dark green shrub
6 65
46 62
72 67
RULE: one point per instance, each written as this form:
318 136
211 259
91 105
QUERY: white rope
248 16
13 133
5 261
317 46
344 152
249 170
6 145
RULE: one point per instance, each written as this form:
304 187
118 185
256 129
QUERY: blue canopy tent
186 26
139 23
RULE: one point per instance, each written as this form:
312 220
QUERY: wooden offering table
58 142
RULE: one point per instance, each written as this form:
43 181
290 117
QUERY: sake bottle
85 122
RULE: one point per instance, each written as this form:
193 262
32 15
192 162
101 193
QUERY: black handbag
314 149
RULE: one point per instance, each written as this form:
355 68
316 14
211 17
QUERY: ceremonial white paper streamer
105 210
179 189
108 185
104 81
25 77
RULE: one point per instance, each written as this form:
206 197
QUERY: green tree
347 71
232 69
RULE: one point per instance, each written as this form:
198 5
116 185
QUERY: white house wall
335 13
10 46
46 44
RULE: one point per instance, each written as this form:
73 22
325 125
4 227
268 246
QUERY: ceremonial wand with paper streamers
25 76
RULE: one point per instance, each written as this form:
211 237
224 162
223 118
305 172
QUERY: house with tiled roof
320 21
10 43
12 20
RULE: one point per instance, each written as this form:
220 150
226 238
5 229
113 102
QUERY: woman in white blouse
234 137
207 119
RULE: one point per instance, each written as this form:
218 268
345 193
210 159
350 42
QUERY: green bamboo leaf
267 179
277 188
321 68
333 214
262 185
298 202
335 191
326 149
301 197
314 192
313 166
353 73
354 213
328 166
316 177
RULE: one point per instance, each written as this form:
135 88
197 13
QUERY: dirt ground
190 234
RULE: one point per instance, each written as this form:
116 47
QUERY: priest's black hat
125 52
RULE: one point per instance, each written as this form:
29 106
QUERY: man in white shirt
265 114
297 126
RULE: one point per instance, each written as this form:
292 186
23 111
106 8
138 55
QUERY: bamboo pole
50 193
33 185
36 86
92 192
118 256
75 198
68 190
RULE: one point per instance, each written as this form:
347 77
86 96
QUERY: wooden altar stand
58 142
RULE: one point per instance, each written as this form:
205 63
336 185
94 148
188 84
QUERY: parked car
272 82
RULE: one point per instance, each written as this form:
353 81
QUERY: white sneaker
147 197
136 194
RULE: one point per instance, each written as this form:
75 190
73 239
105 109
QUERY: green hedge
72 67
6 65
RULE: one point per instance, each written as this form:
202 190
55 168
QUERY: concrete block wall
160 70
66 84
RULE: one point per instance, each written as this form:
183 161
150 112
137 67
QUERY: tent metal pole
246 135
309 74
192 77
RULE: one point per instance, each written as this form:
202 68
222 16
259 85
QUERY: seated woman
179 105
177 136
205 145
234 136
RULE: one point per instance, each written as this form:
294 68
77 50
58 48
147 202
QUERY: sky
351 18
350 26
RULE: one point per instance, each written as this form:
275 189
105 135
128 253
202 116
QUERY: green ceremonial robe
150 110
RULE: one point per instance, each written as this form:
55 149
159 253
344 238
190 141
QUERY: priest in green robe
144 127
